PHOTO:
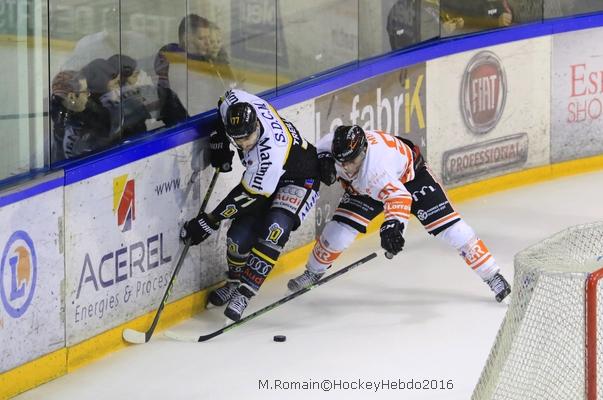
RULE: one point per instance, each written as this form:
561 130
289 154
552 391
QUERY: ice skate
499 286
307 279
223 294
238 303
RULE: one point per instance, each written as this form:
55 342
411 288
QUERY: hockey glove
220 155
326 165
392 239
198 229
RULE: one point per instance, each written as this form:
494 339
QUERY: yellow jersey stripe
250 190
262 255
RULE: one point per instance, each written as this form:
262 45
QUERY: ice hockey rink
422 316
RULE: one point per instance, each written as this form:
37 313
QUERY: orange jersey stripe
352 215
442 220
481 261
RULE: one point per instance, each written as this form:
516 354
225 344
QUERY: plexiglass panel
314 36
81 76
403 23
559 8
227 44
85 102
466 16
24 86
153 71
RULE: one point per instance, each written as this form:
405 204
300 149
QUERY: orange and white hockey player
381 172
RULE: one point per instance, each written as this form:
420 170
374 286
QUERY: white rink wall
100 238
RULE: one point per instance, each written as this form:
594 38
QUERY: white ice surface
423 315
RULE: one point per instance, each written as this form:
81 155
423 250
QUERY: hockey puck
279 338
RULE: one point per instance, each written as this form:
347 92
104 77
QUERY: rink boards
88 250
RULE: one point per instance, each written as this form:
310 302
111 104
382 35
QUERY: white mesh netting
539 352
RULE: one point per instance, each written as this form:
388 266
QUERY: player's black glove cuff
198 229
326 165
220 155
392 238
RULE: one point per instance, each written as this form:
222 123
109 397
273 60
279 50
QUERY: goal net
546 347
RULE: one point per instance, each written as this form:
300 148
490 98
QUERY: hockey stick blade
203 338
133 336
181 337
136 337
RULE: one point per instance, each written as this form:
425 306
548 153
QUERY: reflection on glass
199 56
558 8
315 36
409 22
83 36
487 14
148 97
24 84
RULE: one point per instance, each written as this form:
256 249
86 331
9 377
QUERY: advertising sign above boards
488 111
31 274
394 102
577 97
122 230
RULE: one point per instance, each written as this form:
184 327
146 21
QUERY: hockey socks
473 250
335 238
258 265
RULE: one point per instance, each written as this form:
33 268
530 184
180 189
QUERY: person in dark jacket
137 89
125 117
79 126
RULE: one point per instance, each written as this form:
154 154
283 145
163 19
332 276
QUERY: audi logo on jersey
483 92
258 265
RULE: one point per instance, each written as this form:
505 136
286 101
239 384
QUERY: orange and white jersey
388 165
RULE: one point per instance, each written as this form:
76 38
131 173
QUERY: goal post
550 342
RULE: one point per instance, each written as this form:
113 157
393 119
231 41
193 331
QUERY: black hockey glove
198 229
220 155
392 239
326 165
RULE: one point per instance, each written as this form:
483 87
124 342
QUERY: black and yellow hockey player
278 189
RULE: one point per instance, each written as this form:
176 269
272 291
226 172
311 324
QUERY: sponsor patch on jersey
275 233
290 198
312 199
229 211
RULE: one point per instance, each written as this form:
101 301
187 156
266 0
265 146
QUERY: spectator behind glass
123 119
138 90
485 14
412 21
522 11
103 82
78 128
216 53
478 14
197 57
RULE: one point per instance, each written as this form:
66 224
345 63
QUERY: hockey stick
137 337
203 338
